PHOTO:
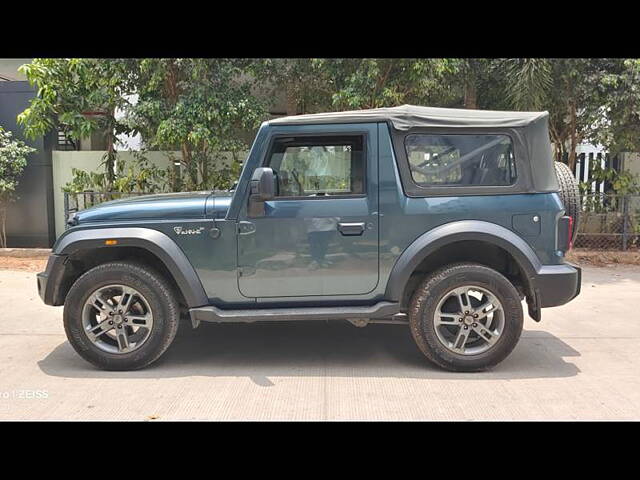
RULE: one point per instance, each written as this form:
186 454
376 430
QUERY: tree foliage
13 160
380 82
79 96
195 105
198 106
530 81
304 82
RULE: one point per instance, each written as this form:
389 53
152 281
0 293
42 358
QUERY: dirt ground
604 258
27 264
24 259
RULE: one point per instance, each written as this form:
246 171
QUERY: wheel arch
466 239
145 245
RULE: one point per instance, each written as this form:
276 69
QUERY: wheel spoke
99 329
125 299
487 335
461 339
123 340
140 320
489 306
100 303
463 300
444 318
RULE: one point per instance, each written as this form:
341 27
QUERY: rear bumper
49 281
557 284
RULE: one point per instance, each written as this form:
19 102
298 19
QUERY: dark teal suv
444 220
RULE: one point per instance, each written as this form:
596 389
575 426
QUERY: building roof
407 116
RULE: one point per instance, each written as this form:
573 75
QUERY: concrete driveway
581 362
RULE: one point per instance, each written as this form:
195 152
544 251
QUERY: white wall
9 68
89 161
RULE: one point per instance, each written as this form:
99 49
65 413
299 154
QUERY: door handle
351 228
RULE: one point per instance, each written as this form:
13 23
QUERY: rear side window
461 160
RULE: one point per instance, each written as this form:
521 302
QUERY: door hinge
215 232
246 228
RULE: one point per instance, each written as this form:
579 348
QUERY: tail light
565 233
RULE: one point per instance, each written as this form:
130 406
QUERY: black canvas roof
528 130
407 116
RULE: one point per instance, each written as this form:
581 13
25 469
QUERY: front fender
448 233
154 241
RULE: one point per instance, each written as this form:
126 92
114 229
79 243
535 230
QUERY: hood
165 206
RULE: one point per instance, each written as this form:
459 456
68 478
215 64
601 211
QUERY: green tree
386 82
529 82
80 96
13 159
196 105
617 92
564 87
303 81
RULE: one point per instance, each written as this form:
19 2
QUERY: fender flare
159 244
448 233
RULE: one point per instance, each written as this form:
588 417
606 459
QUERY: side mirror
263 185
263 188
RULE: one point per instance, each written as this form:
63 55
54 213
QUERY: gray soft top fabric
408 116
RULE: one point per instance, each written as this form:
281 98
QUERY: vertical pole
625 214
66 209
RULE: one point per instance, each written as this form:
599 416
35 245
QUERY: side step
215 314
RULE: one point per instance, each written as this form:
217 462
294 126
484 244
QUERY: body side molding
448 233
152 240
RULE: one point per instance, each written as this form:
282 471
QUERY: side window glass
318 166
461 160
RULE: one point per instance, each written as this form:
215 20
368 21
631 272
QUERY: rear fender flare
448 233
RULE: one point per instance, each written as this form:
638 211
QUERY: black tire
157 293
569 194
425 300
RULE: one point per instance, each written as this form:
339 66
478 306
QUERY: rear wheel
466 317
120 316
569 194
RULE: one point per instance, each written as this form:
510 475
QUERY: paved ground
581 362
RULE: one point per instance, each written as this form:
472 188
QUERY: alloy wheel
117 319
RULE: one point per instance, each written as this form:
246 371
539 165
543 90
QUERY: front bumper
50 280
556 285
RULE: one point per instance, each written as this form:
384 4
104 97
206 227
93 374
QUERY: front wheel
466 317
120 316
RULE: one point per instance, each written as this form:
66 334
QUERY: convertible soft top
529 132
408 116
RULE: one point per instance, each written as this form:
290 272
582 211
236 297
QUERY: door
319 235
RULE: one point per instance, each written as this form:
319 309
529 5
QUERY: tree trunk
470 95
172 92
292 99
187 160
558 144
573 136
110 159
3 226
204 171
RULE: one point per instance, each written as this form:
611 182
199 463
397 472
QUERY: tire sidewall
423 313
158 298
569 194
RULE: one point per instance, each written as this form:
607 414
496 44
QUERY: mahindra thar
443 220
